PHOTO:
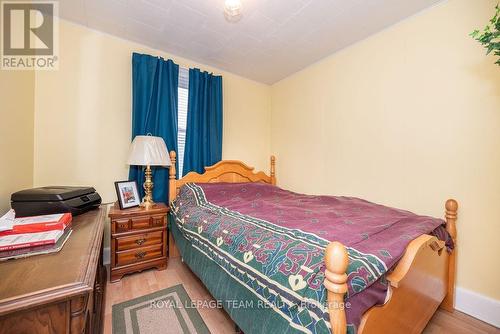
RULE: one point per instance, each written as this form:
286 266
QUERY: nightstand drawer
157 221
139 254
122 225
139 240
140 223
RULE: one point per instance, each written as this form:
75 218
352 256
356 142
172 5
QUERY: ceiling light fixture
232 10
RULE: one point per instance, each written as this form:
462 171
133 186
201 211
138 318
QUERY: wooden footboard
417 287
423 279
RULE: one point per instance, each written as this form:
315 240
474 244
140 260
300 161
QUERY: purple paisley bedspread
367 227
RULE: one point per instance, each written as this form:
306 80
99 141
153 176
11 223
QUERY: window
182 107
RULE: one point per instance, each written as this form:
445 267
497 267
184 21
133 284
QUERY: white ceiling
273 39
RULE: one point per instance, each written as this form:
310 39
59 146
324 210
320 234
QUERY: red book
16 241
36 224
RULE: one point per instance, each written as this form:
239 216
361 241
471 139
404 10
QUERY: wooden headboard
230 171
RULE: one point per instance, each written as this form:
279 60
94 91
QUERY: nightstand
138 239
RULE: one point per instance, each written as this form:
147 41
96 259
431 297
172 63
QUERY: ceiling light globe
232 8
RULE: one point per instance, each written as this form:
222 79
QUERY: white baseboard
105 255
481 307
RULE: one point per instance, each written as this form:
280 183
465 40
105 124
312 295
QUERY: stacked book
21 237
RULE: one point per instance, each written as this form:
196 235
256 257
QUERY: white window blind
182 107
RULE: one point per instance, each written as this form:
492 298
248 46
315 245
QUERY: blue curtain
204 121
154 111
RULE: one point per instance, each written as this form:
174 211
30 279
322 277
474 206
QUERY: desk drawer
139 254
139 240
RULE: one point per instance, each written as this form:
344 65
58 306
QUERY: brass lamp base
147 201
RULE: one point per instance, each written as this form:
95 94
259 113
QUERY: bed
315 298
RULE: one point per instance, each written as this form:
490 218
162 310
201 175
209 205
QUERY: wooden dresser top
46 278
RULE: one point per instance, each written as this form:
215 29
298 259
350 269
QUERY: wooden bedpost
451 217
172 187
173 252
336 260
273 170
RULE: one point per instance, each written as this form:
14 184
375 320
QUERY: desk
61 292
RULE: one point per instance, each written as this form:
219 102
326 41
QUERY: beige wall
16 131
83 112
408 118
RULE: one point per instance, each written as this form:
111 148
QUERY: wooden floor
136 285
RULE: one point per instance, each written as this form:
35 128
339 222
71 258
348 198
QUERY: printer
57 199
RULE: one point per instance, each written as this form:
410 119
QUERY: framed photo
128 195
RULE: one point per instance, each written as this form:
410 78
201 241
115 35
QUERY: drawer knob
140 255
140 241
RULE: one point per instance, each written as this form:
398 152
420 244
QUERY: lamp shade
148 151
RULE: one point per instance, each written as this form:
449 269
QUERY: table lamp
148 151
